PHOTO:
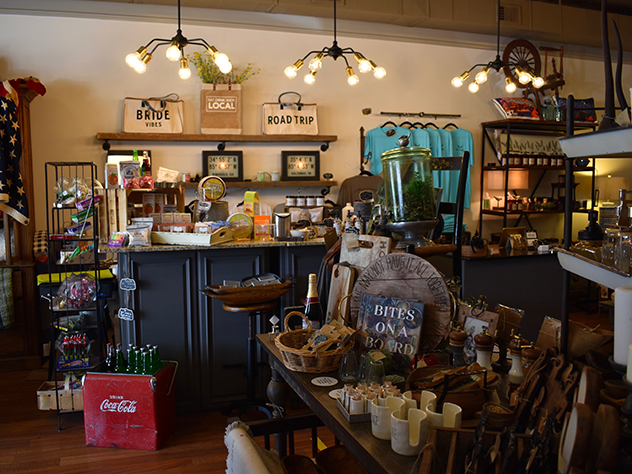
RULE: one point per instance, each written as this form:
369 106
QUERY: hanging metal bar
421 114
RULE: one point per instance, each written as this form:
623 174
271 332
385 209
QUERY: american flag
12 194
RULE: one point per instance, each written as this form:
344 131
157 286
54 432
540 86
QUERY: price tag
126 314
127 284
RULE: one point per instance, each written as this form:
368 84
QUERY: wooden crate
69 399
448 446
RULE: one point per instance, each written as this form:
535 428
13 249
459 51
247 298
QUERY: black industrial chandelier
139 59
522 70
364 65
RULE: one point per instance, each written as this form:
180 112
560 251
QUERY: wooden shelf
181 137
270 184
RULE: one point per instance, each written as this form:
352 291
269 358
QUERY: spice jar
310 200
320 200
290 201
300 200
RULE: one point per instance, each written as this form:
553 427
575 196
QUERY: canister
408 185
320 200
310 200
300 200
290 201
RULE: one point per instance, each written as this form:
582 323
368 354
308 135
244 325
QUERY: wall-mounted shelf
222 139
270 184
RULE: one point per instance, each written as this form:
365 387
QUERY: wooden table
374 454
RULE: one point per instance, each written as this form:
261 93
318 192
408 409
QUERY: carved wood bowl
248 295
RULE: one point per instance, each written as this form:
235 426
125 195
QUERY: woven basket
296 359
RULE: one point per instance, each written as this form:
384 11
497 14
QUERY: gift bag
289 118
153 115
220 109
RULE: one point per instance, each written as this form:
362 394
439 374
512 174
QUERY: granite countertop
233 244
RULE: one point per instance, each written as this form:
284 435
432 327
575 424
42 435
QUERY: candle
622 324
629 373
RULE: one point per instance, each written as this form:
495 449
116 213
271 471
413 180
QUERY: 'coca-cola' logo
122 406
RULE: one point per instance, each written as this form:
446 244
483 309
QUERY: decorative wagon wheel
525 55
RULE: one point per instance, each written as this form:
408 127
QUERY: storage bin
69 399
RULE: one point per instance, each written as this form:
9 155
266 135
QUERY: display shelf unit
87 320
220 139
614 143
522 127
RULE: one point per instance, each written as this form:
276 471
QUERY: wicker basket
290 343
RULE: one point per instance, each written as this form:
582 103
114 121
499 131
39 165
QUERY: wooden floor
30 442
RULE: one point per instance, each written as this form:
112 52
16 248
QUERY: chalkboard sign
126 314
127 284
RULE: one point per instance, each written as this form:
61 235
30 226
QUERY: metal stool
251 403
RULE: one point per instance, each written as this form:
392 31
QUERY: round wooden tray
248 295
403 275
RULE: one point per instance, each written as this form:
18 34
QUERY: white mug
275 176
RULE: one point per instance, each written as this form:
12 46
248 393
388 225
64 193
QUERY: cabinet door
165 314
224 335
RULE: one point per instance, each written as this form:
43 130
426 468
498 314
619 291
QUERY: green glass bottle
131 359
120 361
138 366
157 359
145 362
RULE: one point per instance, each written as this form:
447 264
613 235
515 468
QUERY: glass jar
300 200
290 201
408 186
310 200
320 200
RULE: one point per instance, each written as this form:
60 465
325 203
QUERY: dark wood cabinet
208 342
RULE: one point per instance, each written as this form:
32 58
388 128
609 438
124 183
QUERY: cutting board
342 279
405 275
360 250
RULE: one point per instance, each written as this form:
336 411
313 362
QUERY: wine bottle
313 310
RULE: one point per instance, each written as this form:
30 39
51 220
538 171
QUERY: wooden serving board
405 275
342 278
360 250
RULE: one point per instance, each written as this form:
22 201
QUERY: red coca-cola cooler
130 411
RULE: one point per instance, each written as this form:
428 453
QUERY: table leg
279 394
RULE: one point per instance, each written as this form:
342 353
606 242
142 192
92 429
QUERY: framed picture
300 165
474 321
228 165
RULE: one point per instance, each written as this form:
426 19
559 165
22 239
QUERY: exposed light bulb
310 78
173 52
290 72
509 85
222 61
459 80
316 63
133 59
184 71
379 72
141 67
481 77
473 87
364 65
538 82
352 79
523 76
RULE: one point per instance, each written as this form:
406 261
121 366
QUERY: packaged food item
139 235
167 218
112 176
148 204
159 200
130 173
88 202
262 228
117 240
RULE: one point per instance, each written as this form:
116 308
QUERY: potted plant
220 111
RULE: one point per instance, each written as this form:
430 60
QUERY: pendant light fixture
364 65
522 70
175 52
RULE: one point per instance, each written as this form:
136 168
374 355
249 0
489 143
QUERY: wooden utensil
342 279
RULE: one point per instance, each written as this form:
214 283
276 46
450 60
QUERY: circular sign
404 275
211 188
241 224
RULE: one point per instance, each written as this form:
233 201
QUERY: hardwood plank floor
30 442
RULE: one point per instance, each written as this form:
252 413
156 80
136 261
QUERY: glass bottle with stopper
457 342
484 346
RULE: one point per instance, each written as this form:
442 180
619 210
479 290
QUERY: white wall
81 63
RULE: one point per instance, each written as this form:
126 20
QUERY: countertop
496 252
233 244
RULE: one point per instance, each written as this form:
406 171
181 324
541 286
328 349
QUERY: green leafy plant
209 73
418 200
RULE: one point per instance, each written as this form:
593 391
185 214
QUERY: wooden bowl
248 295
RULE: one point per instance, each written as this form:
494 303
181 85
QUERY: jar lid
211 188
412 151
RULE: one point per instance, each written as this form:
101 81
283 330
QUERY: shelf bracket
106 145
221 146
324 147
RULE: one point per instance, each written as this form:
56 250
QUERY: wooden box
69 399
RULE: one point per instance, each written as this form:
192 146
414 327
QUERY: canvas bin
153 115
130 411
289 118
